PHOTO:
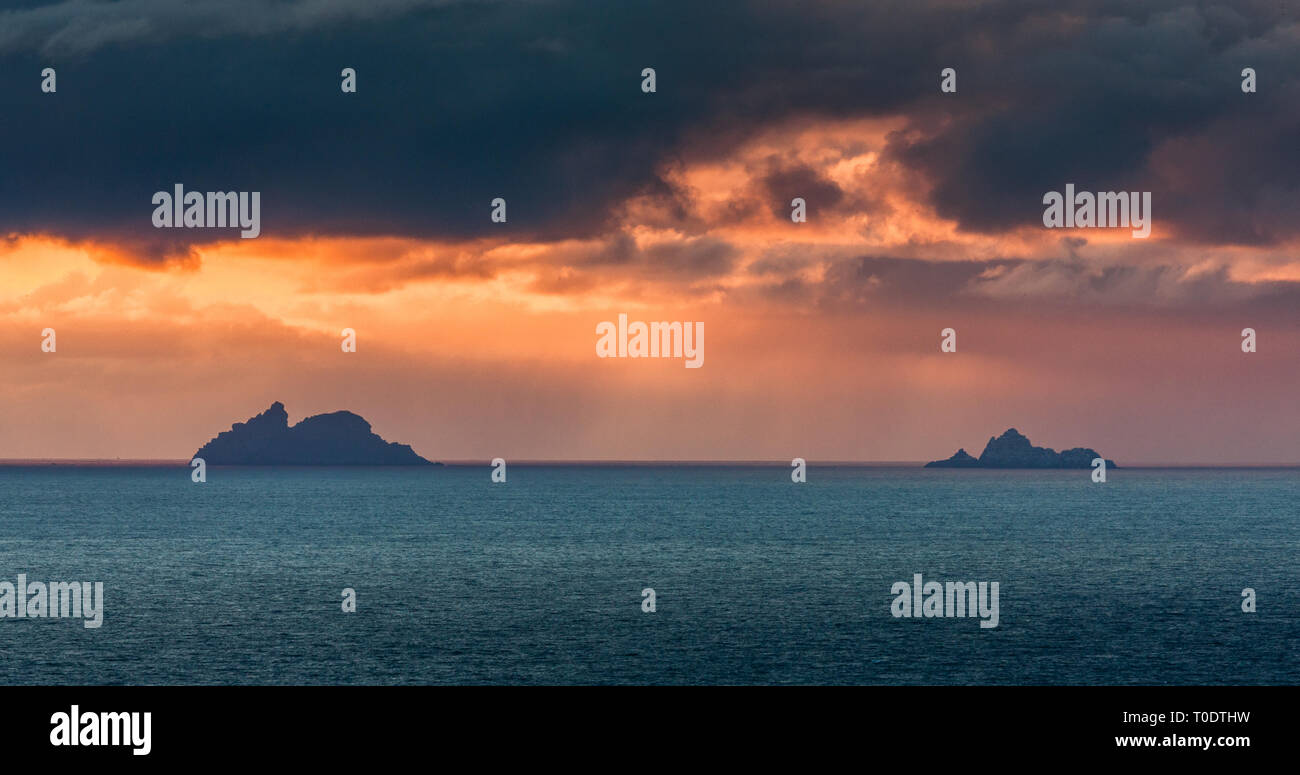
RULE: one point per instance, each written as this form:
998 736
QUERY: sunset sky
477 339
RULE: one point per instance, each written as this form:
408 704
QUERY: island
1013 450
333 439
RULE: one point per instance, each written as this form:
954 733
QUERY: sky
477 339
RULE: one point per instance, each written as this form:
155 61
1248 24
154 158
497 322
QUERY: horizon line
466 462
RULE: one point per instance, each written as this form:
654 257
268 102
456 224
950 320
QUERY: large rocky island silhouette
334 439
1013 450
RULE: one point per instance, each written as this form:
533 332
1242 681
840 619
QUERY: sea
541 579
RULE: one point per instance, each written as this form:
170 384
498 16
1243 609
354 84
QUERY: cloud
540 103
1124 101
78 27
1048 284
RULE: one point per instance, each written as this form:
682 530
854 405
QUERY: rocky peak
336 438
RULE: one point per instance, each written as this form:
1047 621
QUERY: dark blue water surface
758 580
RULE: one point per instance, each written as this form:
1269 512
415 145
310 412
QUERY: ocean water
757 580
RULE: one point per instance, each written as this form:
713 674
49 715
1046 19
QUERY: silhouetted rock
1013 450
960 460
334 439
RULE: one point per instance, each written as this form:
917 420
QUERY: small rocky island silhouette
334 439
1013 450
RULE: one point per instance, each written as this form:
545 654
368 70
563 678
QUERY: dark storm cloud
783 183
540 103
876 279
1054 283
80 26
691 257
1147 102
